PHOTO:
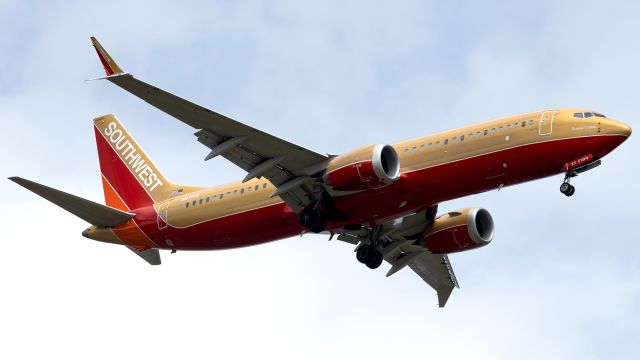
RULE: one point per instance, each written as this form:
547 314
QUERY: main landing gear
313 219
369 254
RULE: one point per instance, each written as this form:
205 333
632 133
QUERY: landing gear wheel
567 189
375 260
319 226
313 220
364 252
571 190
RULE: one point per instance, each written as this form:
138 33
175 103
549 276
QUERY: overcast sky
560 280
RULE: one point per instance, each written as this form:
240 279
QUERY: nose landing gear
567 188
571 172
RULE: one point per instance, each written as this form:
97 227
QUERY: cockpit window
587 115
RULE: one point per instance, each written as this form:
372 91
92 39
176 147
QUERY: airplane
382 198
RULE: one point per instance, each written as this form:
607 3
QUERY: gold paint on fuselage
414 154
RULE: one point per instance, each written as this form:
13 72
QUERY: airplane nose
623 129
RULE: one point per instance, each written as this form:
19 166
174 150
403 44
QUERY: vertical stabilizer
130 179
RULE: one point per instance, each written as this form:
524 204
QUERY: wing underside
401 249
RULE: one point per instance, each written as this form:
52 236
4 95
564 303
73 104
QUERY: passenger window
414 149
249 189
200 202
213 198
187 205
430 145
524 123
499 128
207 200
264 186
508 127
478 134
486 132
438 143
515 126
193 203
461 138
422 147
228 193
471 136
241 191
406 151
235 193
221 196
454 139
493 131
530 122
256 188
446 141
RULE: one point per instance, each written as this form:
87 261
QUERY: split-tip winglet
110 66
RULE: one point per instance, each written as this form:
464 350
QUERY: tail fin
129 178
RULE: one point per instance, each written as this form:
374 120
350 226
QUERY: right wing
289 167
402 249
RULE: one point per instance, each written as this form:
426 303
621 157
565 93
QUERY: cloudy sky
560 280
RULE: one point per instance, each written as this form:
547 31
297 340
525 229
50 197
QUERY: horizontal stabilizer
152 256
94 213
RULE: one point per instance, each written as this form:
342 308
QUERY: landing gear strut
567 188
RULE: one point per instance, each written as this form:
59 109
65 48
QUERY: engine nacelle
370 167
458 231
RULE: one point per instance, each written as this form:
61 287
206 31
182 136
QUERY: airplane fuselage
434 169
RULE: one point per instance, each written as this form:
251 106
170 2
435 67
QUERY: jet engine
458 231
370 167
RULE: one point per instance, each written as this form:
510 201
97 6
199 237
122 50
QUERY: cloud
559 280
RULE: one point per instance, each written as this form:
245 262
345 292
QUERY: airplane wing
401 249
288 167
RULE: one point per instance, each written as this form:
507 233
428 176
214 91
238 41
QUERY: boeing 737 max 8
382 198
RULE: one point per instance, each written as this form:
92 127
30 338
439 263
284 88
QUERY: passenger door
546 123
163 210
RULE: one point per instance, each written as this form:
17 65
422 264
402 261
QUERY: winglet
110 66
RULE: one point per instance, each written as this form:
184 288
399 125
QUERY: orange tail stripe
111 197
130 234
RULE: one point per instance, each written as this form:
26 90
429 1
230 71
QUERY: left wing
401 248
289 167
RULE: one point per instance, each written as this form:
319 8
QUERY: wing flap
92 212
